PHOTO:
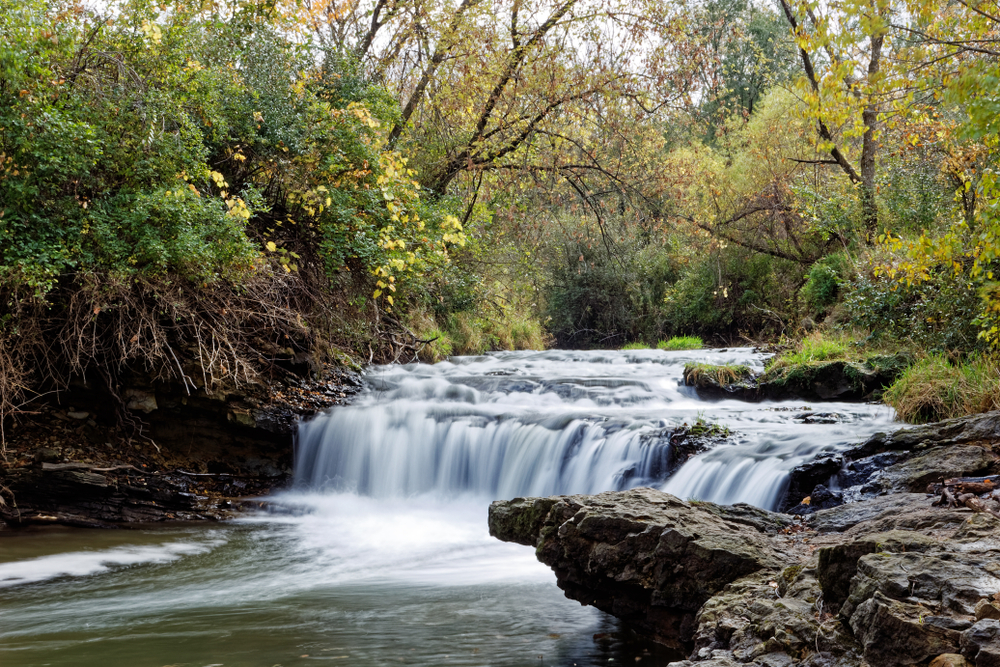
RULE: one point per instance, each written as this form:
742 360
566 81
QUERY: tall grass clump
637 345
815 348
933 389
681 343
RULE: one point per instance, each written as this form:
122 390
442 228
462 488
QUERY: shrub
822 285
934 389
731 291
937 315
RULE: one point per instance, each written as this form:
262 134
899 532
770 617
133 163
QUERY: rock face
642 555
907 460
187 453
887 581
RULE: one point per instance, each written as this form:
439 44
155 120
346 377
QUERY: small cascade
547 423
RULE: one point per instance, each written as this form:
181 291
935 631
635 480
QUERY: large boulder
643 555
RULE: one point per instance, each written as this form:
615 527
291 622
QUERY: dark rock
937 465
822 381
642 555
838 564
981 643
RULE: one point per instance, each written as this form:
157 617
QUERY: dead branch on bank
971 492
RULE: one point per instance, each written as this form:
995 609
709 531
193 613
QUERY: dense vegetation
201 190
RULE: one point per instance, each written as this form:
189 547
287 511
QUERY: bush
599 299
937 315
823 282
934 389
732 291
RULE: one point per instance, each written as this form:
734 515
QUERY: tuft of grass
638 345
680 343
933 389
699 375
816 348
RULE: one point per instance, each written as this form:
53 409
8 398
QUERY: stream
380 555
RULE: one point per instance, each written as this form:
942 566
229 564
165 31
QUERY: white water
383 556
544 423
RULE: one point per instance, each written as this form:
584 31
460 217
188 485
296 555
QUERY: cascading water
545 423
384 556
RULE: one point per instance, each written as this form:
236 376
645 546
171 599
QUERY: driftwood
971 492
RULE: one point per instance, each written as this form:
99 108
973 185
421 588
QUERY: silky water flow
380 555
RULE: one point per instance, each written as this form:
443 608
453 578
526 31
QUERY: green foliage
681 343
938 314
599 297
823 281
204 147
729 291
934 388
638 345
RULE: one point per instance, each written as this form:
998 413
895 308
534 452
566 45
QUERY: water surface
380 555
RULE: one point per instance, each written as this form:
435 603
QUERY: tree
844 84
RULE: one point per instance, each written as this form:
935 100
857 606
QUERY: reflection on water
382 557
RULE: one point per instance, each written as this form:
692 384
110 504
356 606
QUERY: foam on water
544 423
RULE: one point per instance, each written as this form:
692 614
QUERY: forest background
232 184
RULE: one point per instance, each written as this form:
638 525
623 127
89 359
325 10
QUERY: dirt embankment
175 453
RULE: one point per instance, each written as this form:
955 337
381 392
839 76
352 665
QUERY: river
380 554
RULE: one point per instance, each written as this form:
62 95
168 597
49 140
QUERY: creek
380 554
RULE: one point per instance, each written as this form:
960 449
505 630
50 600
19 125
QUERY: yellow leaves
238 208
271 246
152 32
218 179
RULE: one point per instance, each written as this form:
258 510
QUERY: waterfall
547 423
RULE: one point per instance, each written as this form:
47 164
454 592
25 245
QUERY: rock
936 465
949 660
138 399
910 511
987 609
642 555
893 632
77 415
838 564
981 643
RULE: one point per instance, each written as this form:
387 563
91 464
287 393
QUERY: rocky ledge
153 451
888 581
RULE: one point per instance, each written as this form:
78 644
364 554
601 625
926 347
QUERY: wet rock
642 555
838 564
936 465
981 643
824 381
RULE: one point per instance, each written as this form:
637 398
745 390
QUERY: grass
933 389
638 345
680 343
468 333
702 374
816 348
